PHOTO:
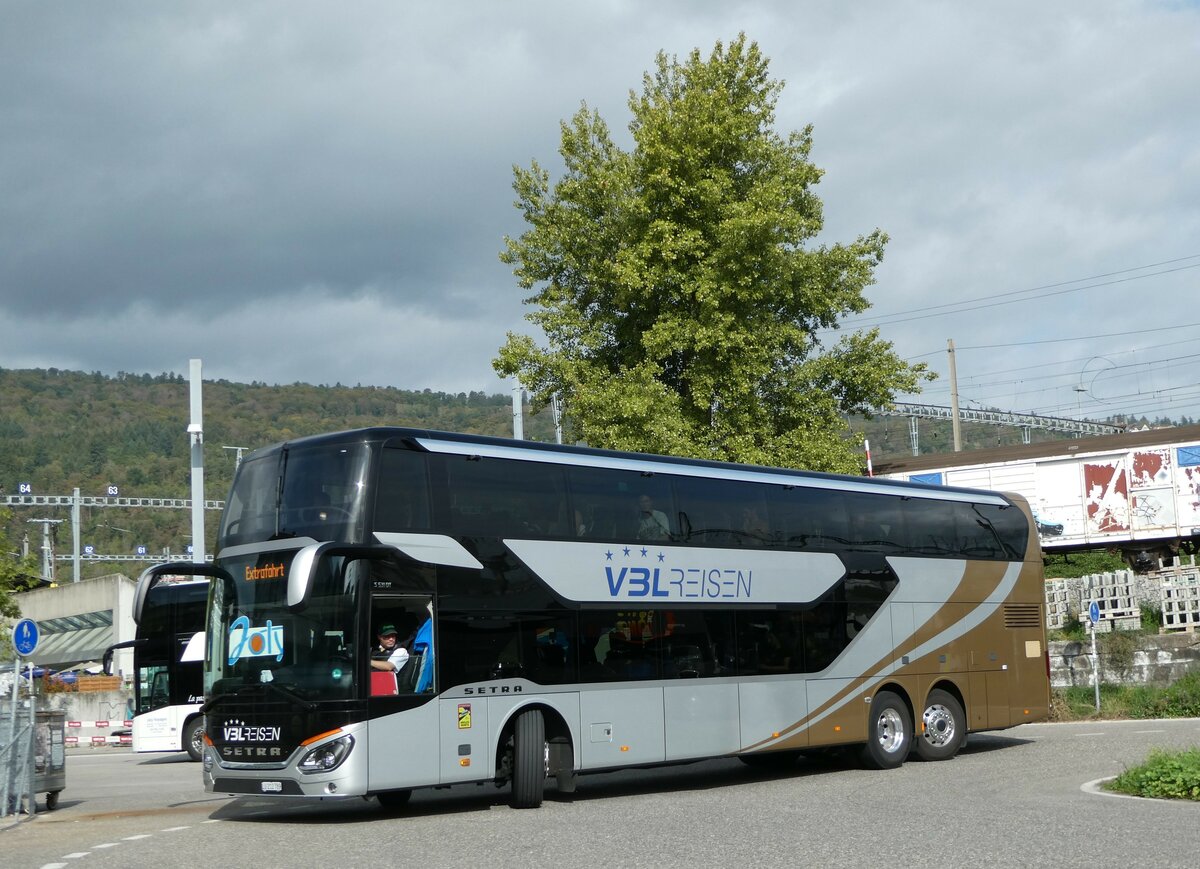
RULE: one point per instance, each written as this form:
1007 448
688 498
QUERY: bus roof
469 444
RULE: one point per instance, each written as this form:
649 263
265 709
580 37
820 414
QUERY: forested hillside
65 429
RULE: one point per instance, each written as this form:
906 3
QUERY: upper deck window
322 496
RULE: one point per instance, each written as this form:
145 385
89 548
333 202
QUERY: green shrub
1173 775
1151 618
1180 699
1072 564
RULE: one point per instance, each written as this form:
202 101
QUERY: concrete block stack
1116 595
1181 596
1059 603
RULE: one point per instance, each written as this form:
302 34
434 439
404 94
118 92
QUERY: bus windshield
257 645
314 492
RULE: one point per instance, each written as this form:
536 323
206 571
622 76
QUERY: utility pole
956 425
237 462
556 410
75 534
47 547
518 417
196 435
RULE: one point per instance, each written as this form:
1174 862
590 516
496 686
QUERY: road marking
76 855
138 836
174 829
1149 731
1098 733
53 866
106 845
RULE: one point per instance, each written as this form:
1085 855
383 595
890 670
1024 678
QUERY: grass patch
1166 774
1180 699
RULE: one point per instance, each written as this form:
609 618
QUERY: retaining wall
1157 660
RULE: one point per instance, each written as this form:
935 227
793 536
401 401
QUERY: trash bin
32 757
49 755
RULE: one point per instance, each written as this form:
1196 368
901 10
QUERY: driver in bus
652 523
389 654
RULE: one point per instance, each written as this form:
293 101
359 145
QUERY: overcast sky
316 192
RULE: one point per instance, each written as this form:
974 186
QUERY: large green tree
677 285
16 573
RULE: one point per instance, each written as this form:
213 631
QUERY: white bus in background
168 666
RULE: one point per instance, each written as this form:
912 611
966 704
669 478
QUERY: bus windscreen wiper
261 688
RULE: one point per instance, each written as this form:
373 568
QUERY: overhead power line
968 304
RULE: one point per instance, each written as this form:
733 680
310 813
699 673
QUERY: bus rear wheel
193 737
943 727
530 758
889 732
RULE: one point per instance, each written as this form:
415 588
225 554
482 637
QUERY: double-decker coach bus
568 610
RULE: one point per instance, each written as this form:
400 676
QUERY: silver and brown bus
569 610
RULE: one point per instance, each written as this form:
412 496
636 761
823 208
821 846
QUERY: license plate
272 787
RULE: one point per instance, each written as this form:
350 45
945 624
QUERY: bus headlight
328 756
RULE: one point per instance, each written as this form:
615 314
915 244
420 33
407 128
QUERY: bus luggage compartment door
702 720
621 726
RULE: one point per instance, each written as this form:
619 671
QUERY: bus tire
193 737
529 760
889 732
943 727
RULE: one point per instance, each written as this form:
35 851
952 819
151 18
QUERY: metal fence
16 754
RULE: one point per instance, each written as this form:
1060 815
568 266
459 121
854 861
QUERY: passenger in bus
389 654
753 524
652 524
782 649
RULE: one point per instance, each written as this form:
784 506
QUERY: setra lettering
248 752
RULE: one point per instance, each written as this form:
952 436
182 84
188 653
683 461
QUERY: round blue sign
25 637
1094 612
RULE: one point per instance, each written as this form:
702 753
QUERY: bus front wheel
193 737
530 756
889 732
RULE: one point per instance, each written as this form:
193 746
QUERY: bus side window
402 498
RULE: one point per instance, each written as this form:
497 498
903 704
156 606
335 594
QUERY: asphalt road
1015 798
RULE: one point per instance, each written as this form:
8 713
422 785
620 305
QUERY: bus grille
1022 615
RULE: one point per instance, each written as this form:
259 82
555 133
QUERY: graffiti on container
1150 468
1107 496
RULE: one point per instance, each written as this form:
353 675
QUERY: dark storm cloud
297 191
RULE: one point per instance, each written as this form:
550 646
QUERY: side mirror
151 575
108 653
308 561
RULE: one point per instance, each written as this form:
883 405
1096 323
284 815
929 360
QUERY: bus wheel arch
535 744
889 728
193 737
942 729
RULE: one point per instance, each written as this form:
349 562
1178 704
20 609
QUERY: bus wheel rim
890 730
939 725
